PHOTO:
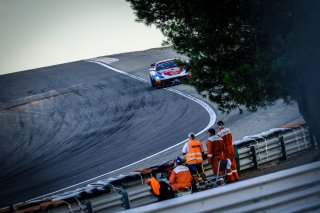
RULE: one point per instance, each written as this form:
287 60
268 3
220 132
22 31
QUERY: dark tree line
245 52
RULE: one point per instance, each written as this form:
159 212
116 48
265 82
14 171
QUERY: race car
166 72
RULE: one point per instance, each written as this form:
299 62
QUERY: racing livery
166 72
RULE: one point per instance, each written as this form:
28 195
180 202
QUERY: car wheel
152 82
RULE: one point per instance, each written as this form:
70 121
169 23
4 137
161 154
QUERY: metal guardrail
293 190
120 193
274 144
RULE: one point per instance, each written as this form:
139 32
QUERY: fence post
254 157
237 158
283 148
314 143
125 199
88 205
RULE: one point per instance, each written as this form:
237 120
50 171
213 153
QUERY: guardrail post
12 208
237 158
312 140
88 205
254 157
283 148
125 199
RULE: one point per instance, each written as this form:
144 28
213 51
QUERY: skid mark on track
210 111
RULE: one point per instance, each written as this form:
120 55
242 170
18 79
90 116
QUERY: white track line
212 115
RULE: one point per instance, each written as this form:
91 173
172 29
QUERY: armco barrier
271 145
293 190
116 195
130 191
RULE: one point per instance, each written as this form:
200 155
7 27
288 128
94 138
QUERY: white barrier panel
292 190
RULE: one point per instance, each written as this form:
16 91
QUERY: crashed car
166 72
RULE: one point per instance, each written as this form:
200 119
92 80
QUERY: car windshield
165 65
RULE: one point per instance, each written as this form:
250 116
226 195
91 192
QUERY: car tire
152 82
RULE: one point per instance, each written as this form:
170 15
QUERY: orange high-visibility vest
226 135
215 146
180 178
180 174
194 155
154 185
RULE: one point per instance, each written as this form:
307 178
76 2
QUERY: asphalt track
64 124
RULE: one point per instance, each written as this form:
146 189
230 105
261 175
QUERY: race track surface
65 124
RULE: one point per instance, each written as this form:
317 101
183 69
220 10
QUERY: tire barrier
130 191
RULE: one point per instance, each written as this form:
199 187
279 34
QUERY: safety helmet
178 160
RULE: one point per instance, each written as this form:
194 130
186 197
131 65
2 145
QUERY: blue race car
166 72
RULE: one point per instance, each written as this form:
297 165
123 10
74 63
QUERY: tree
245 52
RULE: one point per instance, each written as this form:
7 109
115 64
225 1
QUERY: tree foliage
243 52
